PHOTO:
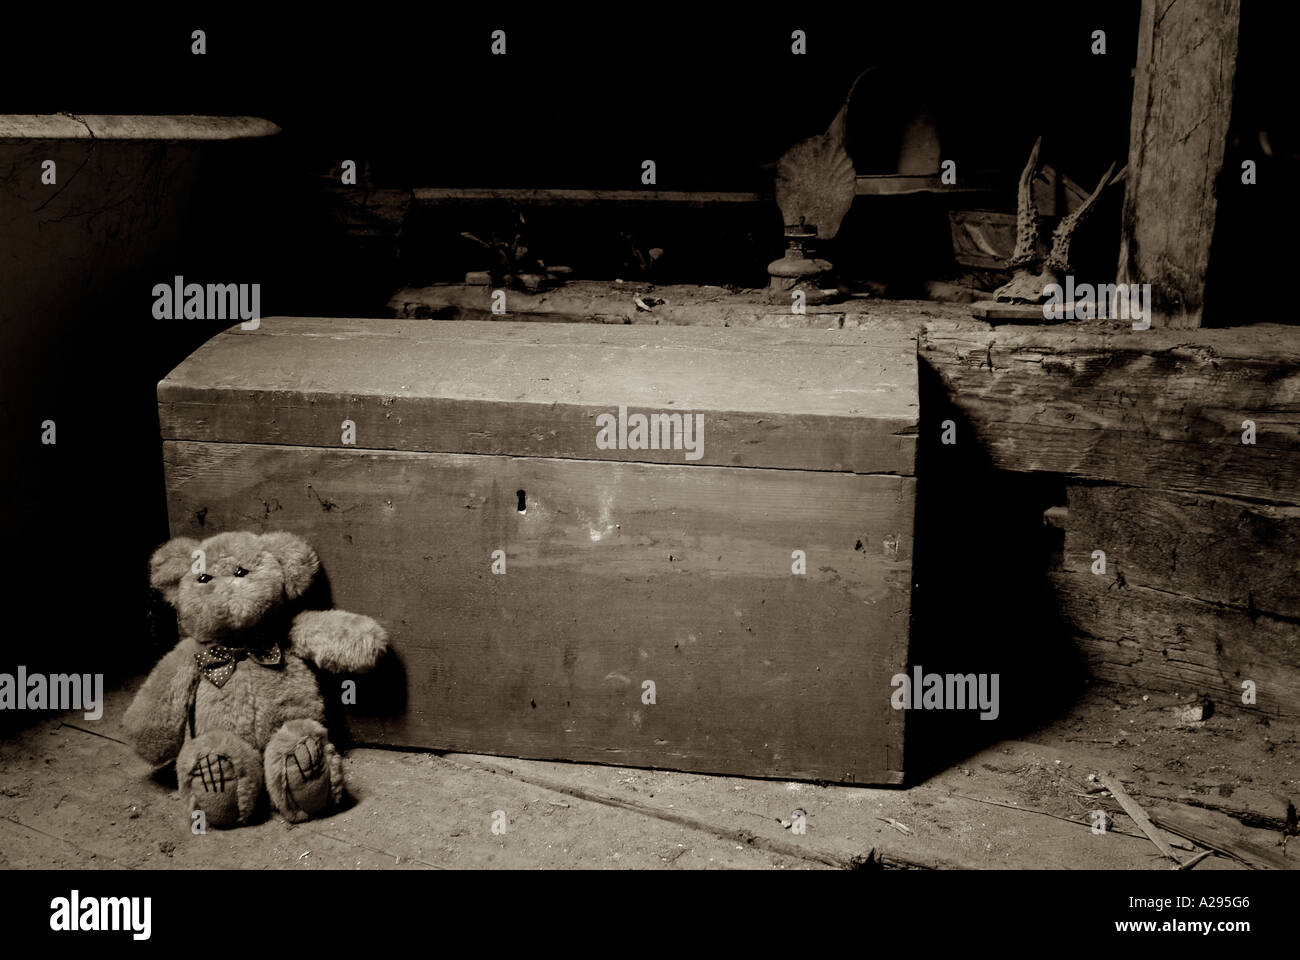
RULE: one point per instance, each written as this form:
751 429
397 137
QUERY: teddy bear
236 702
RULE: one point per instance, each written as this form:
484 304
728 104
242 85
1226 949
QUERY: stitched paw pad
213 789
303 772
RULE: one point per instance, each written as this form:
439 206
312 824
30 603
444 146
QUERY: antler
1026 283
1058 261
1027 219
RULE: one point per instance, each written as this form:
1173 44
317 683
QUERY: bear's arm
155 721
338 641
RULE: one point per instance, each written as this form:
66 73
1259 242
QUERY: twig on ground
93 733
1195 860
1138 816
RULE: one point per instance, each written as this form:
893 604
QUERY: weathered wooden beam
1182 105
1157 409
1214 549
1184 592
1197 593
1217 832
905 184
1160 641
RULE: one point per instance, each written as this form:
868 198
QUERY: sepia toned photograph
859 440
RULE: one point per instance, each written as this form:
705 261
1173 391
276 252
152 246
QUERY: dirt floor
72 794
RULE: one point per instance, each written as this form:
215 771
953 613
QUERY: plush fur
263 729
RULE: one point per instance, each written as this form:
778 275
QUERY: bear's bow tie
218 663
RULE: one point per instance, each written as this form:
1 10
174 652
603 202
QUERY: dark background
582 98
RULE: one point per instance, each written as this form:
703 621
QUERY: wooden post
1182 104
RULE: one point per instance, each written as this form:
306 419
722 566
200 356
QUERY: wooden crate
622 566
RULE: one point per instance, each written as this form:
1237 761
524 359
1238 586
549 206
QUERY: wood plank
1158 409
65 126
547 196
1139 817
1216 549
1182 107
565 787
1217 832
906 184
1020 313
439 810
1160 641
818 400
1247 803
948 831
617 573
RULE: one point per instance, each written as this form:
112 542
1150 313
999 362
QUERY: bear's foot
222 777
304 774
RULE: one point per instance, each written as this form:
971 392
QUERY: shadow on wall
127 203
376 695
982 603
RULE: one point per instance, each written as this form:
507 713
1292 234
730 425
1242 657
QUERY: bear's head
225 586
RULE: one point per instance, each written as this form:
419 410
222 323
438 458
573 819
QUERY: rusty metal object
815 187
796 264
796 269
816 182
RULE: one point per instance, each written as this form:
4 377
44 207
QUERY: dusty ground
73 795
617 302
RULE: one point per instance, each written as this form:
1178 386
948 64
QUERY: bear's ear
297 559
169 563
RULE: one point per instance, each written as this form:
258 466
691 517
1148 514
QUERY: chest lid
832 400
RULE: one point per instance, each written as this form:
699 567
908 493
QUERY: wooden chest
667 547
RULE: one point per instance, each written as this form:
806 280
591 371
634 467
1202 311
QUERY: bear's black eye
203 577
241 572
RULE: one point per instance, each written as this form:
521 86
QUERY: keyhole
523 504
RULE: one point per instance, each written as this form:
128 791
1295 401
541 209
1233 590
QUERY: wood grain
1138 816
1160 641
1215 549
1220 833
1182 107
801 399
617 573
1158 409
